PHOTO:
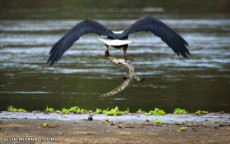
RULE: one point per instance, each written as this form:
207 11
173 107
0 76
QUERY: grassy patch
141 111
114 111
183 128
157 121
155 112
180 111
200 112
74 109
204 124
216 122
98 111
48 109
45 124
13 109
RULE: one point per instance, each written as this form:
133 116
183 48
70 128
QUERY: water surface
200 82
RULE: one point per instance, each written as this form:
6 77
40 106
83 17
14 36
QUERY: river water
201 81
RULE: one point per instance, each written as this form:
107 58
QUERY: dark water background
28 29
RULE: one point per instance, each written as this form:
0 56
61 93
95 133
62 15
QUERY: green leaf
155 112
180 111
45 124
184 128
200 112
157 121
48 109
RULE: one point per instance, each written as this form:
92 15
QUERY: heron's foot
107 53
128 58
125 78
139 79
142 79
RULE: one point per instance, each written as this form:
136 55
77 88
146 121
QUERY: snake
127 80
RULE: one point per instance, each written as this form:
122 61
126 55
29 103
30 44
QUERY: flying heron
119 39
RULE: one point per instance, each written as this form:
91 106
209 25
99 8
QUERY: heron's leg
106 50
125 47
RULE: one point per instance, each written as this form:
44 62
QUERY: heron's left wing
170 37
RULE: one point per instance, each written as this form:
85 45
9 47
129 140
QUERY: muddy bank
127 118
110 132
130 128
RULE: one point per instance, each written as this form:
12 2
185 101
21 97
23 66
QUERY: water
200 82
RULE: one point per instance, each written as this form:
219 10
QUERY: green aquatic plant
13 109
74 109
155 112
200 112
180 111
157 121
65 111
204 124
49 109
58 111
141 111
106 120
98 111
21 110
115 111
183 128
45 124
216 122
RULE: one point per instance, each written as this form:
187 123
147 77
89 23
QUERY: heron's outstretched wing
84 27
170 37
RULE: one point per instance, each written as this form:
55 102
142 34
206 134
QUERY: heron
119 40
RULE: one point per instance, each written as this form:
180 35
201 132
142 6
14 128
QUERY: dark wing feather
170 37
84 27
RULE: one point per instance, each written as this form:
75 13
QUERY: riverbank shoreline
128 128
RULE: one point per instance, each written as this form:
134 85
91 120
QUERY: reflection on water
200 82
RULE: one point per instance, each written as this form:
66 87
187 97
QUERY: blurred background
28 29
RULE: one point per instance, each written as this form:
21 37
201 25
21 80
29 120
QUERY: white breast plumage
115 42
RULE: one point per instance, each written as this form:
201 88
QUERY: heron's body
119 39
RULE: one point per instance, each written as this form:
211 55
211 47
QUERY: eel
127 80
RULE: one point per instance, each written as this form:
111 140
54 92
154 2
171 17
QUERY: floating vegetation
110 112
98 111
48 109
180 111
200 112
114 111
155 112
157 121
141 111
13 109
183 128
74 109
